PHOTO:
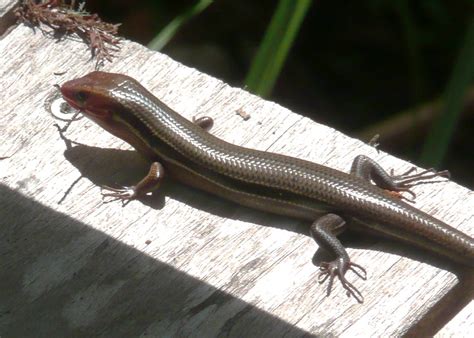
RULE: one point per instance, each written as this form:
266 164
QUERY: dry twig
67 17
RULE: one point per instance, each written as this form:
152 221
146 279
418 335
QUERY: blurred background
402 69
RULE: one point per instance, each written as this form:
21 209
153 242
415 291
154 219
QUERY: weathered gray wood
6 6
183 263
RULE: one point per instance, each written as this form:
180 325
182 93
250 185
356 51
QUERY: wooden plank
181 263
6 6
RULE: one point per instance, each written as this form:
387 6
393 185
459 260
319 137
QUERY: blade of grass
276 43
438 140
167 33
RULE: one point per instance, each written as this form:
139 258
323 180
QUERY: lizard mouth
72 103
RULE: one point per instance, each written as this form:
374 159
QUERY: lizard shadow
114 167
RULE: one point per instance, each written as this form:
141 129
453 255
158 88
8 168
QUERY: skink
368 199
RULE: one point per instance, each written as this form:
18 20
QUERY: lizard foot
339 267
124 194
407 180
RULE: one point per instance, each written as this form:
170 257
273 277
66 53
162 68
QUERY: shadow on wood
63 278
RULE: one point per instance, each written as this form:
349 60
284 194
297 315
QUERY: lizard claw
338 267
124 194
406 180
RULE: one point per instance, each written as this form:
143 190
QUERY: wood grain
180 263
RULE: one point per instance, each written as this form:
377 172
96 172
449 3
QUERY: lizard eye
81 96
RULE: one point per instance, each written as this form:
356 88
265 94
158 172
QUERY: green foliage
276 43
167 33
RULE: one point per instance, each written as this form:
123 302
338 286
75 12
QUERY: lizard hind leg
369 170
324 231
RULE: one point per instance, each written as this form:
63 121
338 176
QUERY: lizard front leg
153 179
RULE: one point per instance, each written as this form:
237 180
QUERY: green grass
167 33
276 43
